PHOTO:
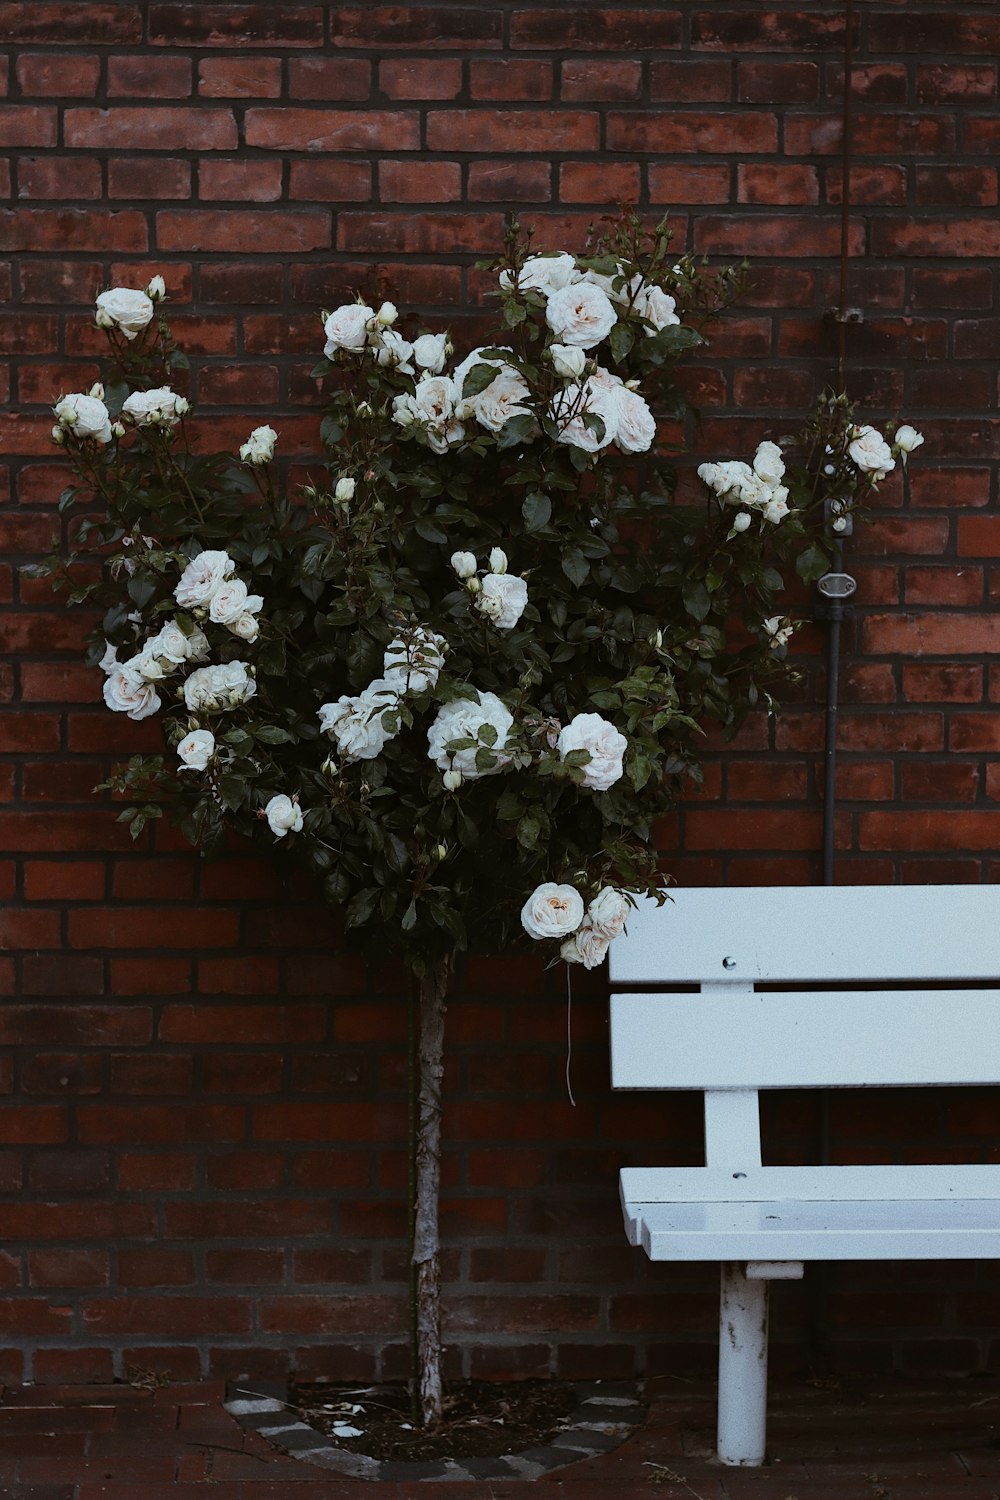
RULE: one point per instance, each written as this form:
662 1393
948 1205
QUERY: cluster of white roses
557 911
360 724
208 589
259 447
130 686
872 455
757 489
594 409
501 596
85 417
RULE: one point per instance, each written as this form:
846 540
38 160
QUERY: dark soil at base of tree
482 1418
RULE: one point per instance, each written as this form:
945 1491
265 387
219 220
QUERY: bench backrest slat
818 1039
804 933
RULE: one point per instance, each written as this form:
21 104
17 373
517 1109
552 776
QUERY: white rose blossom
109 661
580 314
657 307
245 627
870 452
502 599
461 720
907 438
543 273
585 946
498 560
127 693
148 665
84 416
412 662
231 600
176 646
212 689
345 489
574 403
742 521
393 351
357 722
430 351
259 447
779 629
768 463
552 911
283 816
125 309
494 406
776 508
347 328
635 428
602 741
464 564
160 407
157 289
431 408
196 749
202 579
608 912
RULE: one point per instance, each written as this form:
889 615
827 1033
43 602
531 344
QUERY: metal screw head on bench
729 963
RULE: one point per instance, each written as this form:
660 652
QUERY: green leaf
361 907
536 510
430 533
812 563
479 377
141 590
622 339
697 600
528 829
575 565
272 734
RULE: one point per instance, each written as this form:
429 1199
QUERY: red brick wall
202 1104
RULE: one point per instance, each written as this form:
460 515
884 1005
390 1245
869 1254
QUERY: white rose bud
157 289
567 361
59 435
387 314
464 564
283 816
118 429
97 391
345 489
452 780
498 560
907 438
742 521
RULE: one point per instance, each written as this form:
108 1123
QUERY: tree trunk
425 1248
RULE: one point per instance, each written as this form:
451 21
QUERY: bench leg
742 1367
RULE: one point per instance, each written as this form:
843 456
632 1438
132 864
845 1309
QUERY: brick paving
885 1440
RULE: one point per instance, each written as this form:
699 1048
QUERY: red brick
203 229
971 186
585 79
34 1125
923 32
929 830
767 31
40 22
584 28
691 131
940 237
133 177
247 181
270 26
68 1268
979 536
696 184
932 634
140 927
777 83
452 27
157 1125
949 83
935 781
792 235
155 1266
944 584
48 75
425 233
238 1171
329 130
498 181
342 1314
334 78
321 182
242 1073
245 1266
944 682
502 131
149 77
690 82
869 185
763 183
420 78
189 129
239 77
73 1366
605 182
71 177
151 1075
172 1315
62 1073
62 975
159 1173
25 928
27 125
144 976
72 229
419 181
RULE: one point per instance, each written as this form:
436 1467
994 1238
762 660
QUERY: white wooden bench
790 988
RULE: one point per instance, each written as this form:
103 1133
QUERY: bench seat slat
800 933
793 1039
916 1230
642 1185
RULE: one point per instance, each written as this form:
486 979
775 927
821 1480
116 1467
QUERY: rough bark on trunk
433 990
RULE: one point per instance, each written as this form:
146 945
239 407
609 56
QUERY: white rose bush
462 675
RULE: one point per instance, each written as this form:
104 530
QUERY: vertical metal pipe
835 618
